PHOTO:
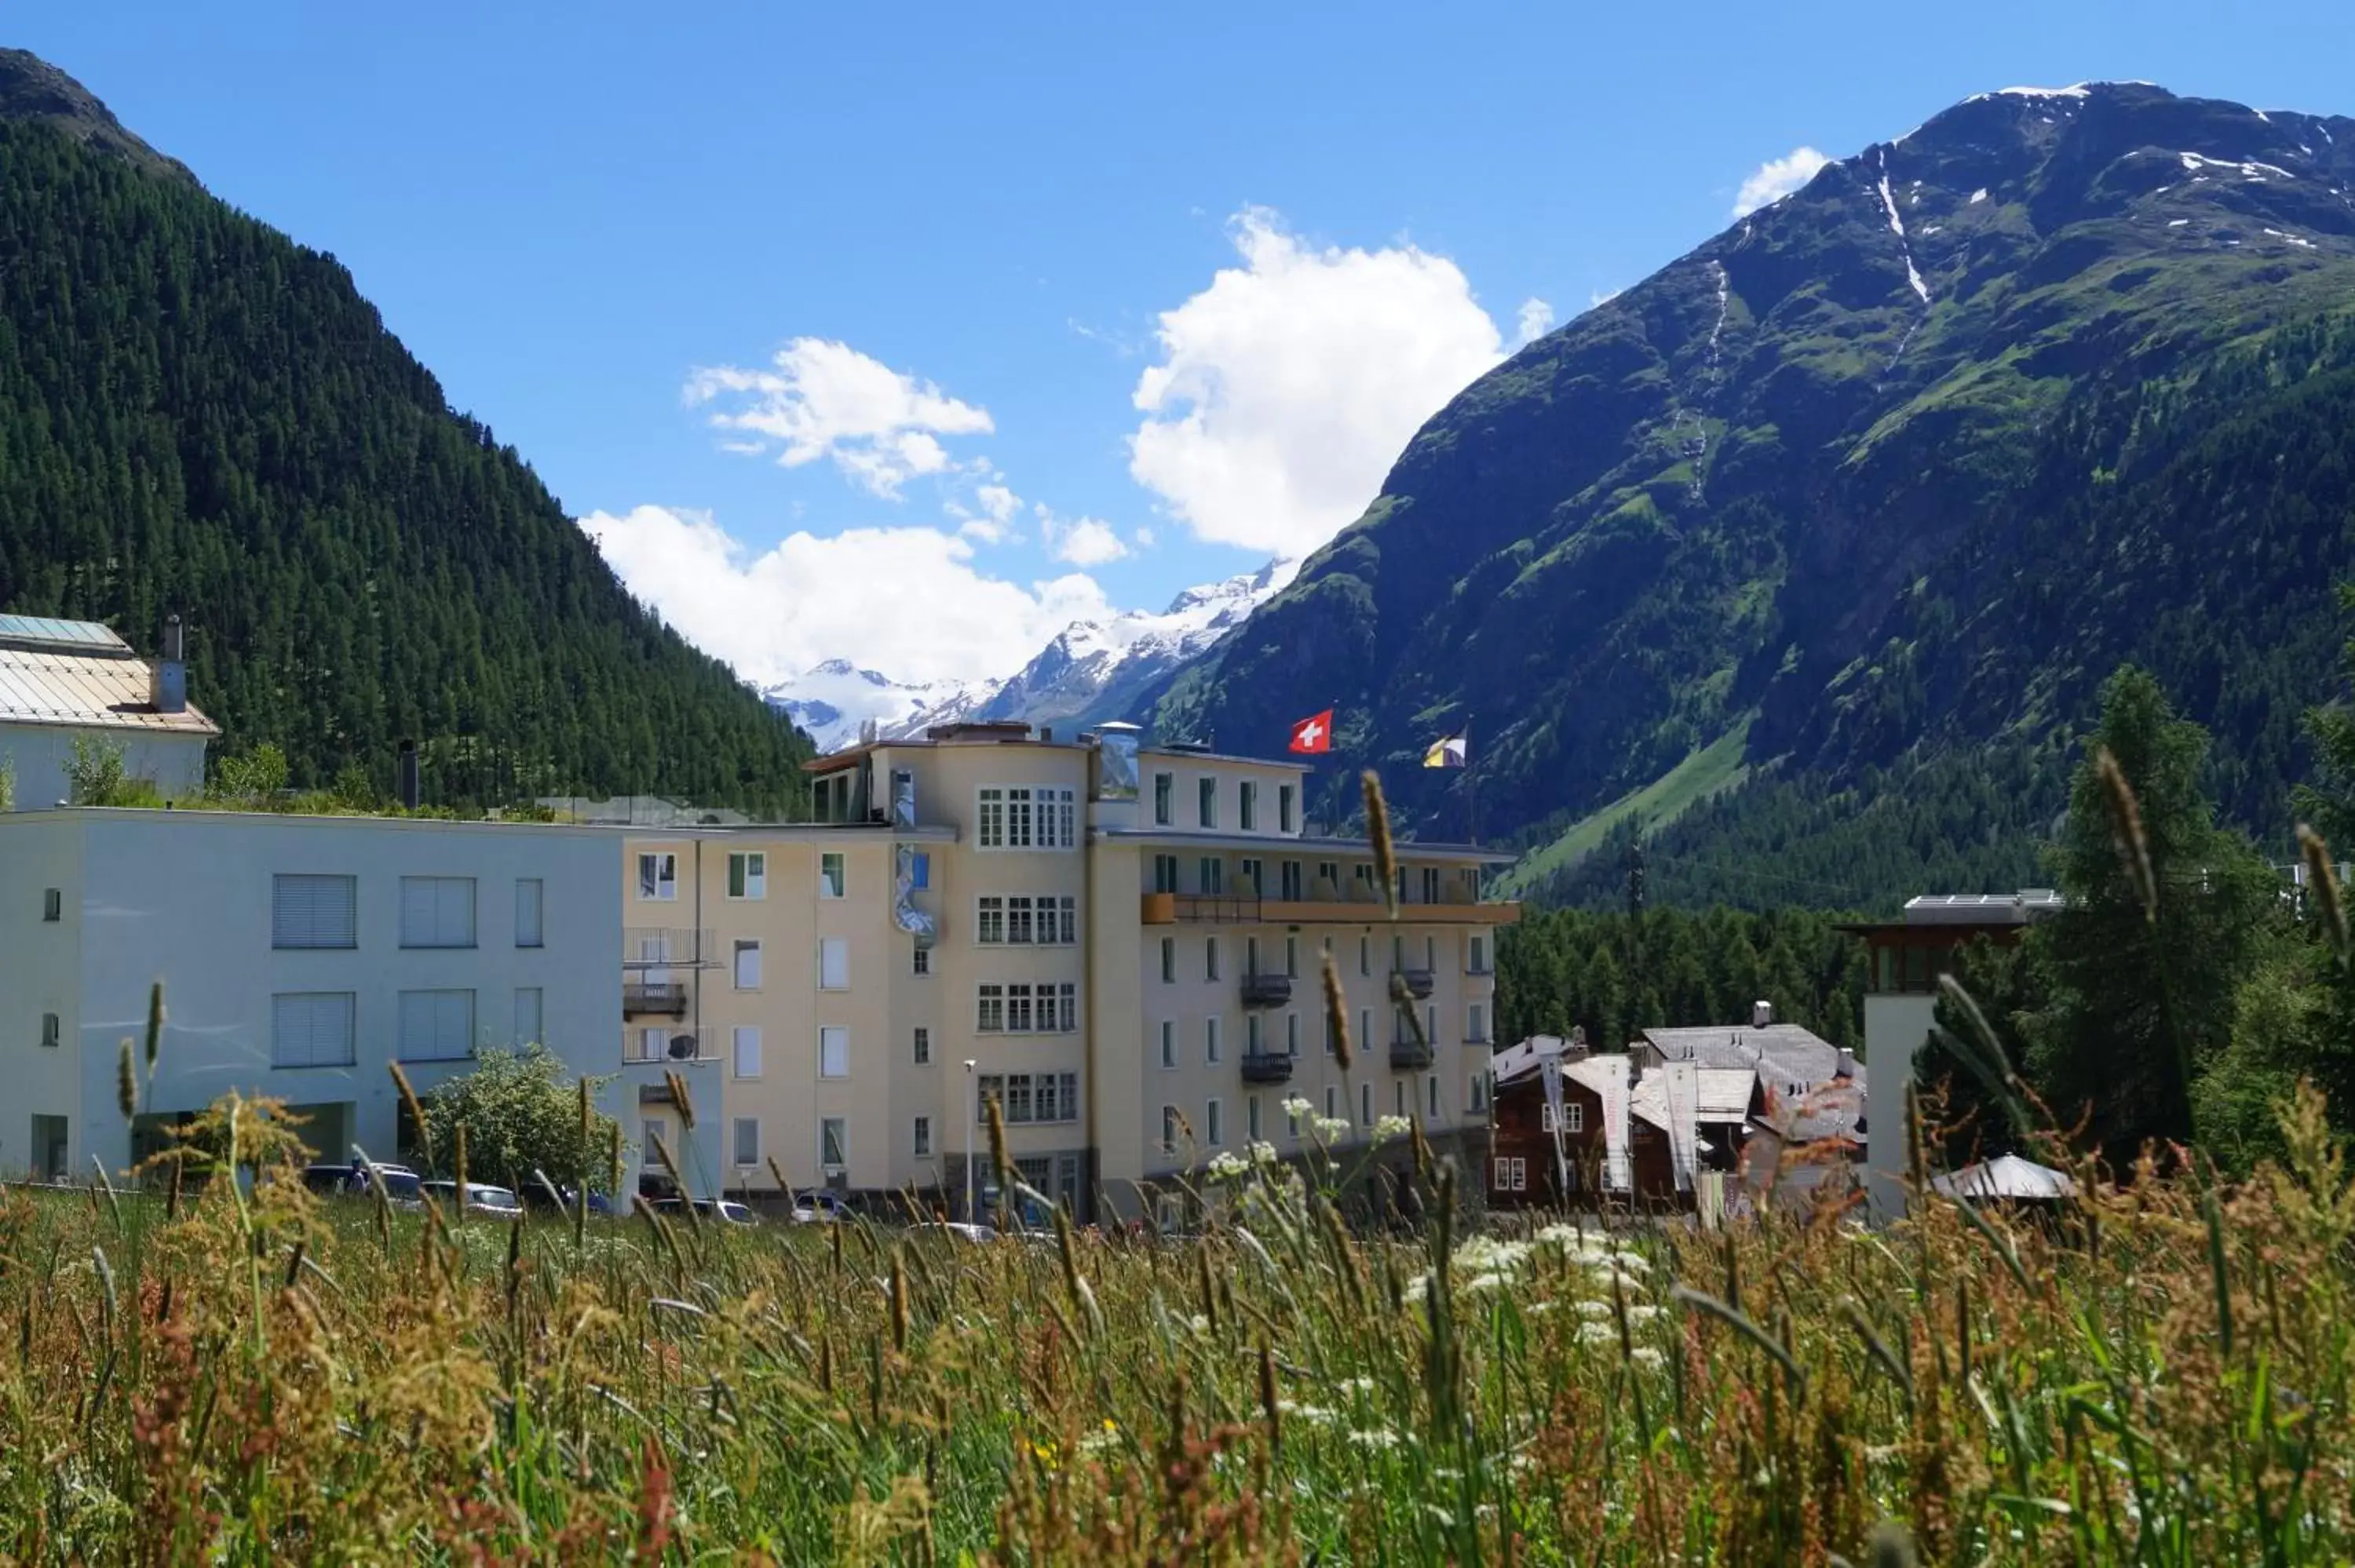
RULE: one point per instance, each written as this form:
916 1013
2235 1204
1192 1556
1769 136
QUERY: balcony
642 999
1243 909
1418 982
1266 1067
1410 1054
663 948
1266 990
672 1047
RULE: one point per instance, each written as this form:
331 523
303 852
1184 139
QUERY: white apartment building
299 956
1120 944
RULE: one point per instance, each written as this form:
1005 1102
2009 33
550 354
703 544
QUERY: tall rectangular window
1292 1035
1205 802
1289 888
831 877
1250 955
989 820
529 1008
990 920
747 1043
304 911
1431 884
831 1144
1067 1007
1164 789
1211 1040
1574 1117
437 911
1365 955
1292 957
1249 882
1331 1103
1283 794
923 1131
1475 1024
921 963
1018 929
658 876
747 1141
1210 957
1476 1092
1252 1042
1247 806
1017 1008
1165 874
923 1046
1251 1115
1168 960
307 1029
1431 1106
747 966
1366 1105
436 1025
748 874
53 905
1168 1043
1476 954
1398 1097
833 1053
52 1036
920 870
529 898
989 1013
1366 1028
834 963
1213 876
1215 1125
1168 1129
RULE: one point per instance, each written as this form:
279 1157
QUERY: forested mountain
199 416
1810 552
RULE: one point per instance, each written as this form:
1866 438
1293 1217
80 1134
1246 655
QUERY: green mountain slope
198 416
1901 466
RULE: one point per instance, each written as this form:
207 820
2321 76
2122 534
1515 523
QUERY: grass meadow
251 1375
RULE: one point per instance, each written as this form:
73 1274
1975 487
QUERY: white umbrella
2006 1176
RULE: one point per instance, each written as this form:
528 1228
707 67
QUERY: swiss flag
1313 732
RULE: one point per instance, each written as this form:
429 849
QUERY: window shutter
834 964
313 911
748 1052
311 1029
528 911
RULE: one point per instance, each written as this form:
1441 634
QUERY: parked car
555 1199
819 1206
953 1231
401 1184
499 1202
729 1212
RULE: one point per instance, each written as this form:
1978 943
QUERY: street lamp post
971 1108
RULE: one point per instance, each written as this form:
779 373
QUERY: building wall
40 754
1896 1027
185 898
40 968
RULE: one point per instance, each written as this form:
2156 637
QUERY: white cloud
1000 502
982 531
881 425
904 599
1145 540
1536 321
1287 387
1776 179
1089 543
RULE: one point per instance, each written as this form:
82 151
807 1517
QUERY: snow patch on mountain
833 700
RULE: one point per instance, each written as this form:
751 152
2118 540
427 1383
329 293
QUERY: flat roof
1305 847
985 734
214 816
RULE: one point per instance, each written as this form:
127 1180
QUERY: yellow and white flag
1452 752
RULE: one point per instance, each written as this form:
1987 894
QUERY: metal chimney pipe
405 782
168 685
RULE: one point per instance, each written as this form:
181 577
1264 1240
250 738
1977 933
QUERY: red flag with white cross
1315 733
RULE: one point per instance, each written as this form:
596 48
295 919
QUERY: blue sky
935 256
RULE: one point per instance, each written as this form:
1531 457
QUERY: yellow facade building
1120 944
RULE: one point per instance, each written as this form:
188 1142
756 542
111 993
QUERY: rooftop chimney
168 686
404 775
1761 1015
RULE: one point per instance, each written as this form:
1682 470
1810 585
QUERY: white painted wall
40 753
1896 1027
38 969
185 897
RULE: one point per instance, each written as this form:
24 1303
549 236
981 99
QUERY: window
748 874
1431 1026
1476 954
1398 1096
304 911
1168 1129
437 911
1365 1029
1067 1007
1575 1113
1168 960
1025 818
1366 1105
1168 1043
1292 957
1213 875
1291 1120
1247 806
1288 882
1398 952
1331 871
658 876
830 1145
1018 1010
1475 1024
1365 955
1431 953
1165 788
1431 884
528 1012
1065 912
1430 1096
50 1035
1250 955
1165 874
989 1017
1292 1035
1211 1040
1215 1124
834 963
923 1046
924 1137
1252 1040
833 1053
1249 879
1210 957
830 877
1284 808
436 1025
747 1051
1511 1174
747 966
654 1044
1207 803
1027 1098
989 921
1018 928
528 901
1331 1114
1251 1115
920 870
921 960
1476 1092
53 908
748 1141
651 1137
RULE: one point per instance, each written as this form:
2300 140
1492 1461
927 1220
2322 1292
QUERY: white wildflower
1645 1356
1263 1153
1313 1415
1227 1167
1377 1438
1642 1313
1392 1127
1597 1309
1597 1334
1329 1127
1482 1284
1295 1107
1198 1324
1096 1444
